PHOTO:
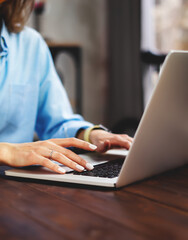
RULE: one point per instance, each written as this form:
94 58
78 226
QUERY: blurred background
108 53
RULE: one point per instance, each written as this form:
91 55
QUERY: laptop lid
161 140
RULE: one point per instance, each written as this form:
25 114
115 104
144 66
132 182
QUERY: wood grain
156 208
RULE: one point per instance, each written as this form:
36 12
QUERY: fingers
130 139
65 157
49 164
67 161
114 140
77 159
123 141
74 142
104 146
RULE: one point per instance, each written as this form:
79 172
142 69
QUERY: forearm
5 153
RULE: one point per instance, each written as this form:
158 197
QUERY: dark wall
125 100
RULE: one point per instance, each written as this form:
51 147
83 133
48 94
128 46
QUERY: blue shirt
32 97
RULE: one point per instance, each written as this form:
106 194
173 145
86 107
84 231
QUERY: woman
32 98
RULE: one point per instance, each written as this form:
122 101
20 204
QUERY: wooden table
156 208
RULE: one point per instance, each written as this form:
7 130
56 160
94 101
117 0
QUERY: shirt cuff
71 128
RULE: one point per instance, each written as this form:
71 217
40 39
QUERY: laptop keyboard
109 169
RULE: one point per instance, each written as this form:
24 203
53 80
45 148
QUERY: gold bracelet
88 131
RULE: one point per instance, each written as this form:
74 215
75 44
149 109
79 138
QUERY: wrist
87 132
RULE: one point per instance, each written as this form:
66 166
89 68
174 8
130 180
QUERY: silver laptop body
160 142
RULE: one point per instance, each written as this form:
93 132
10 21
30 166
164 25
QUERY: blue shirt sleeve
32 97
55 118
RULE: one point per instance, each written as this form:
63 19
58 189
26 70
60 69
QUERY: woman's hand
42 152
105 140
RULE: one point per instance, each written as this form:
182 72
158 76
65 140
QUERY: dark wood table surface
156 208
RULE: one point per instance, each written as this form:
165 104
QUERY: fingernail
92 146
89 166
62 170
79 167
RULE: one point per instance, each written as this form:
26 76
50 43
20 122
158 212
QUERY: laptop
160 142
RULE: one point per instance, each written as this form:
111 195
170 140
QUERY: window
164 28
171 25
